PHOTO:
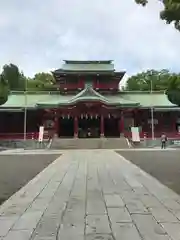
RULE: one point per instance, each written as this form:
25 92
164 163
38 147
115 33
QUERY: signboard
176 142
135 134
41 133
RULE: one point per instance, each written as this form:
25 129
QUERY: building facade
88 104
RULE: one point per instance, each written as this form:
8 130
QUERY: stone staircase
93 143
28 144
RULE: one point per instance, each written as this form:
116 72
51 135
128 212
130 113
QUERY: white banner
41 133
135 134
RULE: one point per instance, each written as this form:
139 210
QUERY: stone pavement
91 195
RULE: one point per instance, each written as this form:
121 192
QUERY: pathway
91 195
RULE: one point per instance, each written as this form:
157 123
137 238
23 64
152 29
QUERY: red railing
19 136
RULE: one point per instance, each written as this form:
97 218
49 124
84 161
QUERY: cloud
38 35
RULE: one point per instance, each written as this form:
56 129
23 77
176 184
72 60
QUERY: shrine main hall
87 103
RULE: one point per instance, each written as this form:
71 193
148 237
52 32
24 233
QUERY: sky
38 35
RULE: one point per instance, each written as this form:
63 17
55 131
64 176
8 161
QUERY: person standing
163 141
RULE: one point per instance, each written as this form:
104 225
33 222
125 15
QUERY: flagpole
25 109
152 112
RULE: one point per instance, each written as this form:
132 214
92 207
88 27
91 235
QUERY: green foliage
173 91
170 13
36 85
157 80
12 79
4 90
41 82
12 75
45 78
174 96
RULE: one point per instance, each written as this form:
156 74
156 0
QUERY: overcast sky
38 35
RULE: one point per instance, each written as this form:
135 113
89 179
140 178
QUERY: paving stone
125 231
99 237
74 219
97 224
141 191
76 203
163 215
6 224
149 228
150 201
132 181
18 235
136 206
40 204
14 210
28 220
176 213
48 226
73 231
96 207
45 238
173 230
113 200
119 215
171 204
64 235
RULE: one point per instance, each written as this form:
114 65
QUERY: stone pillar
102 126
121 124
75 127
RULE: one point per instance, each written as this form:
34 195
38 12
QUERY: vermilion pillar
102 126
121 124
75 127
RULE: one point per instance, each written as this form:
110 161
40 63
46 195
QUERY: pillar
102 126
121 124
56 126
75 127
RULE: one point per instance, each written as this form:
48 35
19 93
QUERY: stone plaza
91 194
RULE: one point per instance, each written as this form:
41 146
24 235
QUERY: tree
13 76
173 91
142 81
170 13
4 90
45 78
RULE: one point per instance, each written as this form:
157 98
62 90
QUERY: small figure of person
89 133
163 141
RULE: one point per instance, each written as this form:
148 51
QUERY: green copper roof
45 100
148 100
88 95
18 100
87 61
88 66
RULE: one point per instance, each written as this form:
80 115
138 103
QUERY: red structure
88 104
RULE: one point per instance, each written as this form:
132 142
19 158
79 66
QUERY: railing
13 136
157 134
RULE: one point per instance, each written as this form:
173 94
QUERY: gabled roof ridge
91 90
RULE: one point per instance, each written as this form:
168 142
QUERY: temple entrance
111 126
66 127
89 127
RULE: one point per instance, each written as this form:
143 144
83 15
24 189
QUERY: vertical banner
41 133
135 134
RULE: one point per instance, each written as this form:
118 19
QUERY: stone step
101 143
